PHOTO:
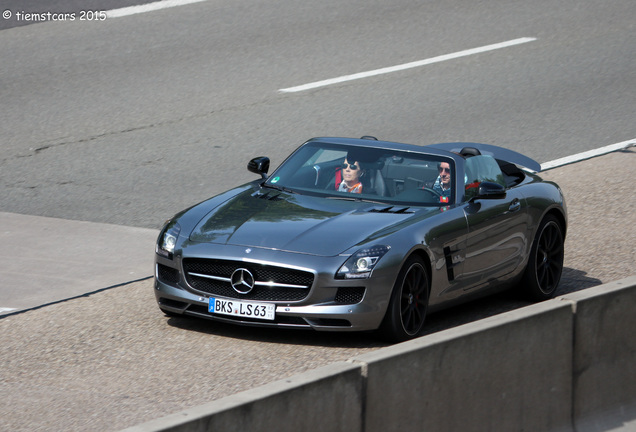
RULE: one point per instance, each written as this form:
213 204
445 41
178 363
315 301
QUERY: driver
443 183
351 173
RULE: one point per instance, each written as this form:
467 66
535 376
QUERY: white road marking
3 309
410 65
588 154
132 10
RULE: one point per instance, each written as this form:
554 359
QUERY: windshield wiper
279 188
346 198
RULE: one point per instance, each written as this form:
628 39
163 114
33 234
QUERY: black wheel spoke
541 272
406 316
556 253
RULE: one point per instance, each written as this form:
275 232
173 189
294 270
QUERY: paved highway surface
127 120
130 119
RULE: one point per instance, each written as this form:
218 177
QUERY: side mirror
259 165
490 190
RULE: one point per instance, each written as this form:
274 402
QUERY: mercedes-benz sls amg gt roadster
361 234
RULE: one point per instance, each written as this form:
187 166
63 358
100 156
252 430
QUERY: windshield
366 173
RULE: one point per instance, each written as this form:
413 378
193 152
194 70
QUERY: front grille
349 295
212 277
167 274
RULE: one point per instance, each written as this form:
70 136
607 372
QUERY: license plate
238 308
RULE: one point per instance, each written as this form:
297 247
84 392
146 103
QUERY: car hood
298 223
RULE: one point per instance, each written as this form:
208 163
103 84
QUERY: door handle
515 205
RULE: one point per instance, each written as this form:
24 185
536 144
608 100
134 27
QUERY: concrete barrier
567 364
509 372
605 356
325 399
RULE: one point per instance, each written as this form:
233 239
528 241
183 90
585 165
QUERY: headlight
361 264
168 239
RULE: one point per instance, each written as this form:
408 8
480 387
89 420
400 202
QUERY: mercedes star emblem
242 281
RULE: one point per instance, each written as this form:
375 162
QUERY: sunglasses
352 166
447 170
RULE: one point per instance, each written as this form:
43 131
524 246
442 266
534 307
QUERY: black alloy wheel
545 265
406 313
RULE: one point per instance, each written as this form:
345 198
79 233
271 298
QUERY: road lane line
588 154
4 309
148 7
410 65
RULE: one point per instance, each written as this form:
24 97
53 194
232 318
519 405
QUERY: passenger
443 183
351 173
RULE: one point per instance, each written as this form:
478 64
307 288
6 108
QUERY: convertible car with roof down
360 234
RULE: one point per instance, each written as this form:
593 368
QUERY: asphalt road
128 120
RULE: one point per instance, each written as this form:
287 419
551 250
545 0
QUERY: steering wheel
432 192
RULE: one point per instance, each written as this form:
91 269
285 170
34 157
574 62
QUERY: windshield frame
307 171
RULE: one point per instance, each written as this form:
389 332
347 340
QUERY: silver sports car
361 234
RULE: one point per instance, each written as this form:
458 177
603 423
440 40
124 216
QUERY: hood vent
267 196
392 209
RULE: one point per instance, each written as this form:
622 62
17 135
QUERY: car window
385 175
326 155
480 169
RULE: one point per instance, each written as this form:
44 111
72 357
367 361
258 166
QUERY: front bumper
322 309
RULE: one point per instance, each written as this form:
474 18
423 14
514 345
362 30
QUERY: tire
545 265
406 313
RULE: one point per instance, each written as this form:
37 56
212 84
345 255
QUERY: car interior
402 177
